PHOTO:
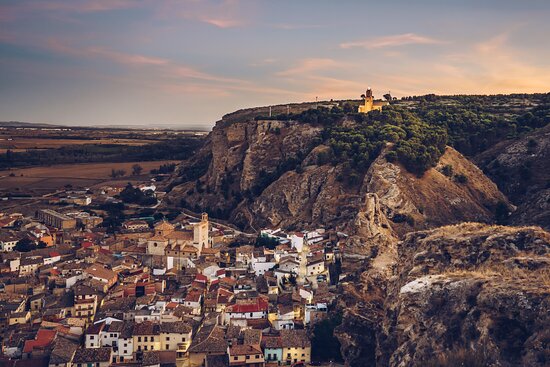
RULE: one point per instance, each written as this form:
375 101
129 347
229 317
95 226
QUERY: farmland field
19 144
47 179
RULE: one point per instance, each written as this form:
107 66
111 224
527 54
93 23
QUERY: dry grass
57 176
506 273
460 357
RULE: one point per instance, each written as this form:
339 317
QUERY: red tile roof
43 338
259 304
201 278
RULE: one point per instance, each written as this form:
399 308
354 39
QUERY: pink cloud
309 65
221 14
222 23
392 41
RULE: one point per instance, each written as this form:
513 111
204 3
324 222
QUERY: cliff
521 169
270 173
469 293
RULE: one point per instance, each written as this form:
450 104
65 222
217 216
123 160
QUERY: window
183 338
167 346
92 337
167 338
235 358
144 338
139 338
247 357
145 348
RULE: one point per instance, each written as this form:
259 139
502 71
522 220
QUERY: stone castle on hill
370 104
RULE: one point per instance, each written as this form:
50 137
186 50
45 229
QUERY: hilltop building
370 104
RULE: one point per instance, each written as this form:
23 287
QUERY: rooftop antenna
269 111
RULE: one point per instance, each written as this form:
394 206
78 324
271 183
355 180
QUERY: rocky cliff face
454 294
521 169
268 173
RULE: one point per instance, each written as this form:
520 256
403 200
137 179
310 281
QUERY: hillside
521 169
469 294
315 166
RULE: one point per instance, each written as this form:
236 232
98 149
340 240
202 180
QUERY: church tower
200 233
302 271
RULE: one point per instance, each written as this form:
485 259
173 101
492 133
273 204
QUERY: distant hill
27 124
199 128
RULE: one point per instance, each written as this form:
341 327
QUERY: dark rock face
521 169
453 292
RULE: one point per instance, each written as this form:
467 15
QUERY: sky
186 63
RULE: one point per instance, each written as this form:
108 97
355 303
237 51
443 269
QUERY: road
220 225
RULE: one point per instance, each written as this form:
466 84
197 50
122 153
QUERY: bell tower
201 233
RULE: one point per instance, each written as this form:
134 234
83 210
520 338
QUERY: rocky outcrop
455 294
521 169
246 156
437 198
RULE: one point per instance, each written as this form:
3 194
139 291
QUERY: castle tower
369 104
200 233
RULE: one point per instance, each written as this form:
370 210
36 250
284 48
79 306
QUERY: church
167 241
369 104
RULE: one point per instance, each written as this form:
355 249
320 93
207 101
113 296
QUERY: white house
7 243
284 319
126 343
297 241
110 334
260 265
92 338
52 258
256 309
289 264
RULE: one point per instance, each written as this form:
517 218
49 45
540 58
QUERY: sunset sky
188 62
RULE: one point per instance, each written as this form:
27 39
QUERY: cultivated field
19 144
47 179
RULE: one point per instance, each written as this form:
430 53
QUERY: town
152 291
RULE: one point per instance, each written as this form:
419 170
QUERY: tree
266 241
25 245
324 345
117 173
136 169
461 178
134 195
447 170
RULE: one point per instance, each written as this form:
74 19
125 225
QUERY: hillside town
183 292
